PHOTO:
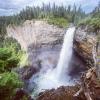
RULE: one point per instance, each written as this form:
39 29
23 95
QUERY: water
66 54
54 78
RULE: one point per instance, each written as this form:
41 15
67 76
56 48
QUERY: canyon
42 42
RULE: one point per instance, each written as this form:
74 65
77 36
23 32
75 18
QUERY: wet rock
27 72
21 94
62 93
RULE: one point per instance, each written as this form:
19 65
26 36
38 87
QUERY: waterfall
54 78
65 54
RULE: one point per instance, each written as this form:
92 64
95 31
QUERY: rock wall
32 34
85 44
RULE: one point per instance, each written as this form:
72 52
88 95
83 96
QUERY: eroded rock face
33 34
85 44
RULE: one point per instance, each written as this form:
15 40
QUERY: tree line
72 14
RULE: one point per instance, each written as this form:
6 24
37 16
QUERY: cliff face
85 45
36 34
37 37
43 43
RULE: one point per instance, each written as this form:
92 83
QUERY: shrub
10 55
5 53
12 43
9 82
8 59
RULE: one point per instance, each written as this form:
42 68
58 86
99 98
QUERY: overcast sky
8 7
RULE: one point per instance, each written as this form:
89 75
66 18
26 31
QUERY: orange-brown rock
84 44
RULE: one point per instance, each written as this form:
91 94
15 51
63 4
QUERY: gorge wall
43 43
87 45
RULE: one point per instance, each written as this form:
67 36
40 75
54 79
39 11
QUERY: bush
10 55
5 53
8 59
12 43
9 82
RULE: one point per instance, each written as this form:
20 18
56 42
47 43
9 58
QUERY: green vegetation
9 59
61 22
9 82
93 20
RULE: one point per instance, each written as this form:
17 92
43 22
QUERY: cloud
8 7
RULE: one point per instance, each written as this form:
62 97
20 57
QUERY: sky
9 7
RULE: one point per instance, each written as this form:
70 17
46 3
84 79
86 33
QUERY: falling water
65 54
54 78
